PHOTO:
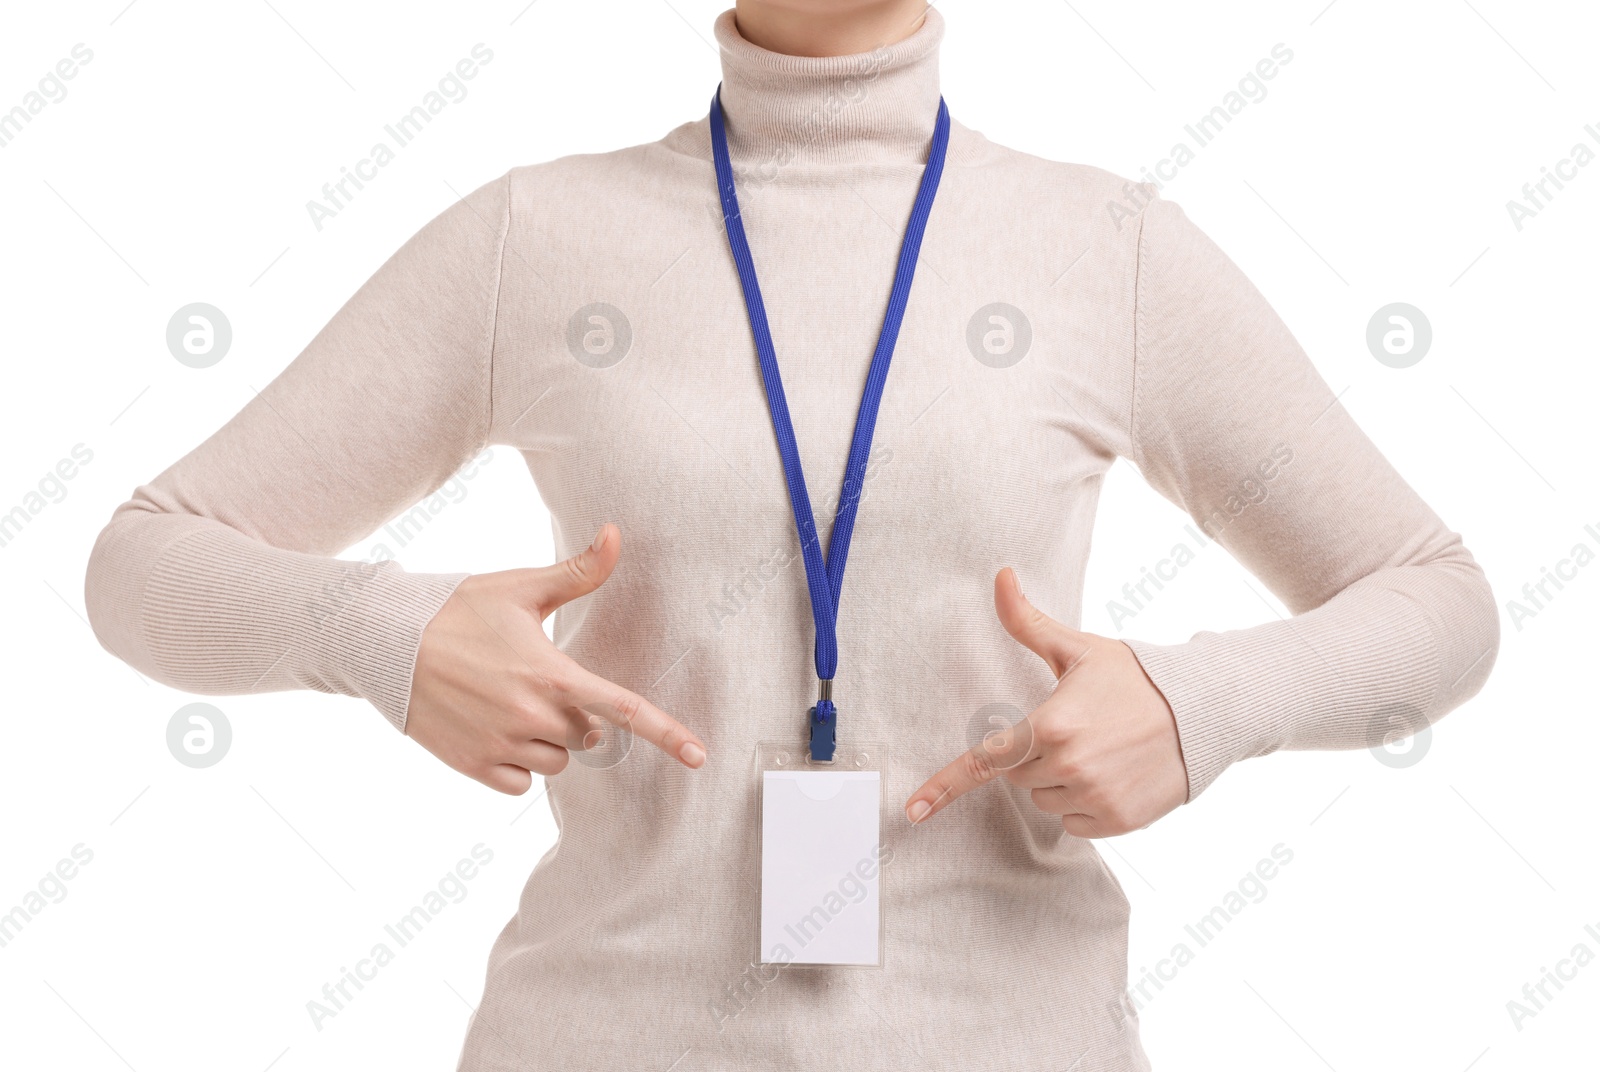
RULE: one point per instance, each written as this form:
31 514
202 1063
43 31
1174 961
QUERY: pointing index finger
639 716
967 772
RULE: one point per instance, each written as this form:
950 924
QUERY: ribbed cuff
1332 678
372 646
222 613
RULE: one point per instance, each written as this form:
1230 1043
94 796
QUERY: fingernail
598 538
918 811
692 754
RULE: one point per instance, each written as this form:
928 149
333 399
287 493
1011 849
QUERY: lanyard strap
825 576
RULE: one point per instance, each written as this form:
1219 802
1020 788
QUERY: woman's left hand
1102 752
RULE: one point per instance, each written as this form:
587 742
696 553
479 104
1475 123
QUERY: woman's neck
847 28
786 112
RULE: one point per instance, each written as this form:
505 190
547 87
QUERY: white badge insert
820 866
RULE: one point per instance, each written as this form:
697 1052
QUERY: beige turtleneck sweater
1006 941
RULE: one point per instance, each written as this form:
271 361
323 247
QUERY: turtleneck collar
873 107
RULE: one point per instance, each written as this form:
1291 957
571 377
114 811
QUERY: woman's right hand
496 700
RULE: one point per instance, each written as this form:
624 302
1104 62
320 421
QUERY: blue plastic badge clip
824 723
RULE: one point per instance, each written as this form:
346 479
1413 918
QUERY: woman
591 314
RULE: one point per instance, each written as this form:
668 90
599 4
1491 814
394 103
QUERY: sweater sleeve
1393 622
216 577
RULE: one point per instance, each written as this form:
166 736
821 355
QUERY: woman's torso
1008 398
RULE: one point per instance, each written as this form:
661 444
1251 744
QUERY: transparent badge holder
822 858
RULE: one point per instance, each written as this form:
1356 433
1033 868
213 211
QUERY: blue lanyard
825 577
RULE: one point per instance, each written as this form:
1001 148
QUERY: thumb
1058 645
579 575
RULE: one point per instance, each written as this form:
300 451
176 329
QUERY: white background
1419 901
